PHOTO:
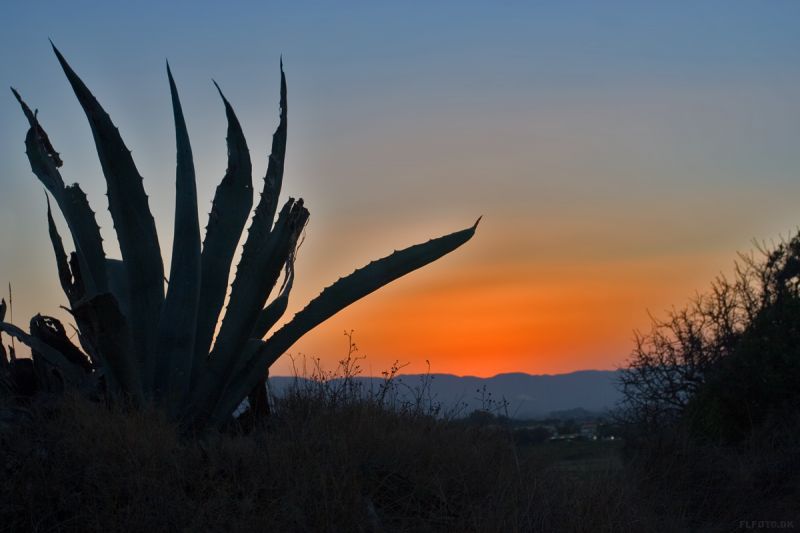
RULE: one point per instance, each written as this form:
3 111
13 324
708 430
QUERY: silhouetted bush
728 362
711 399
758 383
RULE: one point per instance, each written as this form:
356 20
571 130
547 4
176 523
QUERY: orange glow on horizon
489 319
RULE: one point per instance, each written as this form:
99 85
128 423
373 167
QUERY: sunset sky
621 153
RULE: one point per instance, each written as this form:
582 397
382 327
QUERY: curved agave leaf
177 325
260 231
62 264
229 210
273 312
86 238
268 204
257 254
256 275
268 317
266 250
44 161
3 356
330 301
133 222
72 284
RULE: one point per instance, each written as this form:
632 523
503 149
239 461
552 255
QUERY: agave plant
155 344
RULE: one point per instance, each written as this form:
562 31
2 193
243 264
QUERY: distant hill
528 396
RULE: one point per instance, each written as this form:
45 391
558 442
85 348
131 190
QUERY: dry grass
712 487
357 465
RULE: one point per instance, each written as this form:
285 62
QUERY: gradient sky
621 153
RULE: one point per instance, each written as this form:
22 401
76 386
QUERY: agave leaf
213 417
71 283
362 282
256 275
330 301
268 204
3 356
273 312
133 222
265 250
257 256
86 237
263 258
232 202
71 200
118 284
259 233
51 331
102 321
177 326
39 133
71 373
4 363
268 317
62 264
43 164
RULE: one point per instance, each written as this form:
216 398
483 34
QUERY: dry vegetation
355 464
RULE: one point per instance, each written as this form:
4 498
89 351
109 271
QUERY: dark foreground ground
71 465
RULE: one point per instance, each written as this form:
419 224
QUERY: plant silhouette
152 345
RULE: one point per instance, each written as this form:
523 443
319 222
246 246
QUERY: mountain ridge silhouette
528 395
